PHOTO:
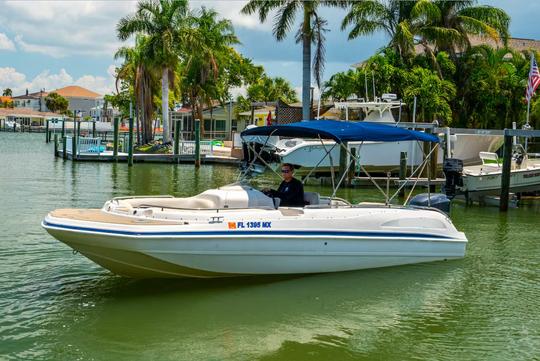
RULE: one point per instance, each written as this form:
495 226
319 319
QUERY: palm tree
7 92
138 70
448 24
393 17
162 21
311 31
207 46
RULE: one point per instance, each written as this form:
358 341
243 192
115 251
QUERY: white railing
85 145
188 147
88 145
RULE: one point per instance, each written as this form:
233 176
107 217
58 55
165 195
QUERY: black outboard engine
433 200
453 171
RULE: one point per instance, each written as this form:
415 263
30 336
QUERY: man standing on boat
290 191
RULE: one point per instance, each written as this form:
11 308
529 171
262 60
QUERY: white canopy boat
380 157
237 230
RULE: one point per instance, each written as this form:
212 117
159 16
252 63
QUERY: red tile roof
74 91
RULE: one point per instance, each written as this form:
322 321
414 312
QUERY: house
26 117
100 114
219 121
80 99
34 101
517 44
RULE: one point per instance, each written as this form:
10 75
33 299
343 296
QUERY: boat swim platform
150 158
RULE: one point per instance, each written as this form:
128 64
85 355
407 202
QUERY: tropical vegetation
56 103
311 31
184 55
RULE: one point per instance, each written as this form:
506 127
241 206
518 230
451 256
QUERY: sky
51 44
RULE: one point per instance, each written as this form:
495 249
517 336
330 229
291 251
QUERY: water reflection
245 318
58 306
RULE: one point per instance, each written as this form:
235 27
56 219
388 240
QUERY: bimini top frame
342 132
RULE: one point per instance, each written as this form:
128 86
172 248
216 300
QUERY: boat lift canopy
341 131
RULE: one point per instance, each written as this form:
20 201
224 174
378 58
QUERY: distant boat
485 179
375 157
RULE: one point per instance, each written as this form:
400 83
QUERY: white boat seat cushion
311 198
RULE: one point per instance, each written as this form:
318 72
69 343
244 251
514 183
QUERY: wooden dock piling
505 179
47 138
342 159
402 171
64 147
115 139
74 147
352 168
176 137
197 143
130 142
55 144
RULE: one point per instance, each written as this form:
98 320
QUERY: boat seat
489 159
197 202
311 198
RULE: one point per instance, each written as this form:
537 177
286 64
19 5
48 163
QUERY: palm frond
494 17
318 38
284 19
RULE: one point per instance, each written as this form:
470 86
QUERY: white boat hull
374 156
296 245
380 156
521 180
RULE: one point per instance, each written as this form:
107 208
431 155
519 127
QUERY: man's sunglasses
285 171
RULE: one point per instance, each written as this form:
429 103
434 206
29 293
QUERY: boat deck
97 215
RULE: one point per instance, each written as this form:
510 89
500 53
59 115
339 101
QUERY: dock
150 158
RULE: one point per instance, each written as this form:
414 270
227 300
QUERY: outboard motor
434 200
453 171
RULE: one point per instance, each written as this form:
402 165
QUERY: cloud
231 10
9 78
6 43
54 51
18 82
65 28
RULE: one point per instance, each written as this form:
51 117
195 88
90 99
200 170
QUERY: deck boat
237 230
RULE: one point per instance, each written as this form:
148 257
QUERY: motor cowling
453 172
433 200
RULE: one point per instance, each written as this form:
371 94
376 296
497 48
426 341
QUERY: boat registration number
245 225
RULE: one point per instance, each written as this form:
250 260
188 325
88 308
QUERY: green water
58 306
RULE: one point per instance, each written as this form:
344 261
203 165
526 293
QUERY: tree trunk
306 66
165 105
201 117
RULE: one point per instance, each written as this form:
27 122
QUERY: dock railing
85 145
187 147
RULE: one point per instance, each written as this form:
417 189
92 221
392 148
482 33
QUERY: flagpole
529 98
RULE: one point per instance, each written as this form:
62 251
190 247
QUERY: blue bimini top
342 131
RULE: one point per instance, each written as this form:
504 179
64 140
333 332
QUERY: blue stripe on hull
251 232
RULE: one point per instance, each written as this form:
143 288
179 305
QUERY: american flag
534 79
